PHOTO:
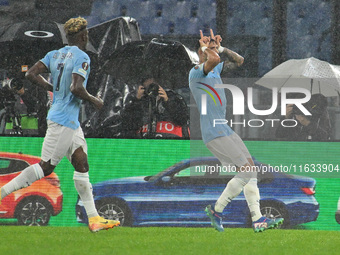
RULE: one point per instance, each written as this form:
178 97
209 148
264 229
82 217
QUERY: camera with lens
8 89
12 84
152 90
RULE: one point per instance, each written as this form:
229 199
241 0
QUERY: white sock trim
84 189
232 190
77 176
252 195
39 173
29 175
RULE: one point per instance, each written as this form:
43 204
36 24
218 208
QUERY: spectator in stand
316 127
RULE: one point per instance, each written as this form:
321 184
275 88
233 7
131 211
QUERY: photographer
10 90
315 127
19 99
152 112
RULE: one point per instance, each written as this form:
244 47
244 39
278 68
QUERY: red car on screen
33 205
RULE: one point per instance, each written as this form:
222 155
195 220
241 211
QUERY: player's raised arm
234 60
208 53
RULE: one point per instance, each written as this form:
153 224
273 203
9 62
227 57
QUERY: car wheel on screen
274 211
115 210
33 211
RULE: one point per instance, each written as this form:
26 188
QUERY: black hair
145 78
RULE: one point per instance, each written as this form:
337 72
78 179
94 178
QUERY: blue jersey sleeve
82 65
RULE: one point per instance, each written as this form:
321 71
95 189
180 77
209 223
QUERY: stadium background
282 29
274 31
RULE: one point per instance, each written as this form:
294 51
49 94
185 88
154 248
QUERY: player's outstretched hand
205 40
216 38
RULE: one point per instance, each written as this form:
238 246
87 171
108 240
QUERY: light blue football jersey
216 107
62 64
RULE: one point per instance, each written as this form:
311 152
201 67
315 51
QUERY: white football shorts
61 141
229 150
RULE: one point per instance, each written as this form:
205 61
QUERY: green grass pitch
165 240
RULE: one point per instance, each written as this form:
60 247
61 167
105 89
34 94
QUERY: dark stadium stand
308 22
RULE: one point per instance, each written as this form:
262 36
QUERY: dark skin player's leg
47 167
79 161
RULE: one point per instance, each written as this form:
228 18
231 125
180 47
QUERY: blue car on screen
178 195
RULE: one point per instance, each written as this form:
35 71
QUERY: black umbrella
26 42
127 62
167 61
107 36
33 31
170 62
